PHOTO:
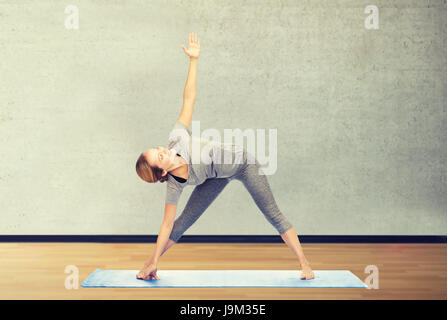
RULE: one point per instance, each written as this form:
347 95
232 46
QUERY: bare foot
306 273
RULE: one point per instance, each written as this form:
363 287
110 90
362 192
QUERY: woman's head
153 164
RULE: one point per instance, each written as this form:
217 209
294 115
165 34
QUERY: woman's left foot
306 273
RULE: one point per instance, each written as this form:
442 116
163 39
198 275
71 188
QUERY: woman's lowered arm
165 231
189 94
149 269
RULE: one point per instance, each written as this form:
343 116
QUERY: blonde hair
149 173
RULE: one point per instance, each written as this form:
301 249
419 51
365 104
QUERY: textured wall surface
360 114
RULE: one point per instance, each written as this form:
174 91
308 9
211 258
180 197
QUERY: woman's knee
284 228
280 222
175 237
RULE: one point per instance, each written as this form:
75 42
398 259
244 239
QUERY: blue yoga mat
223 278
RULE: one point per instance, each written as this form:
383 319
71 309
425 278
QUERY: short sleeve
179 125
179 132
173 192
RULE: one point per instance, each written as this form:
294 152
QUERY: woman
174 166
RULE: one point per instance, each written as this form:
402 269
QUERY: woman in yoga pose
175 167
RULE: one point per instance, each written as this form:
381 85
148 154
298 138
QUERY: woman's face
160 157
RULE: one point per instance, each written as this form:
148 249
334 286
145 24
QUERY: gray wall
363 112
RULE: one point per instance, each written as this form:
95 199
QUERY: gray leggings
204 194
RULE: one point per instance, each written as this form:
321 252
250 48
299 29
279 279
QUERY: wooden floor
406 271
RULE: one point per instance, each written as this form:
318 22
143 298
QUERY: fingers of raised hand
194 39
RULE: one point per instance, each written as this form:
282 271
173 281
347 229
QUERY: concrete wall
360 113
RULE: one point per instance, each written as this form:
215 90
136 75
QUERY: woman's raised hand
193 50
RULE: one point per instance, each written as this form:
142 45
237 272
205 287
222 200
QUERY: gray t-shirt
205 158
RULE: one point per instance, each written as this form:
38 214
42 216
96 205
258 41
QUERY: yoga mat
223 278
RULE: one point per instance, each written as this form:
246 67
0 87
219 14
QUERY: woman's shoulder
179 134
181 129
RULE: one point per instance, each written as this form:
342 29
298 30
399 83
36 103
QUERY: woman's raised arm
189 94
